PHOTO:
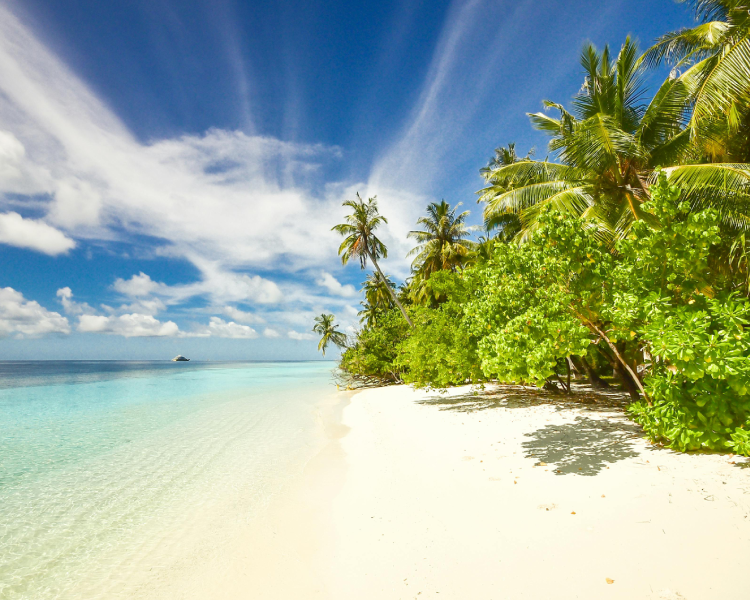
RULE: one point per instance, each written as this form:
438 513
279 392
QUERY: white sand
449 504
414 497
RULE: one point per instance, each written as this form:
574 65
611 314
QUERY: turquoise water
109 470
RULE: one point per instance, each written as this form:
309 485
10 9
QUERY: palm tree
327 329
505 155
716 57
360 240
441 244
608 148
377 299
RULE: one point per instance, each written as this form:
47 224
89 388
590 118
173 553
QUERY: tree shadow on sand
516 396
584 446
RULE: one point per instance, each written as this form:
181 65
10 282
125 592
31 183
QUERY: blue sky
170 169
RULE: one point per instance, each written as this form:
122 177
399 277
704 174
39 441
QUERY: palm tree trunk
390 291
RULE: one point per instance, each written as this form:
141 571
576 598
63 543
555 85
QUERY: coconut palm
715 56
505 155
441 243
377 299
360 241
608 148
328 330
376 291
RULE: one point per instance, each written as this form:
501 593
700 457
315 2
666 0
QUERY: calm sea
111 471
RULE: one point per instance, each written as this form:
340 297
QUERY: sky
170 170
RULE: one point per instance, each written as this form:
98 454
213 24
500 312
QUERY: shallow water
112 473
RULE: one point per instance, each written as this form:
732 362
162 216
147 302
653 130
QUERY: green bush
699 379
376 348
441 351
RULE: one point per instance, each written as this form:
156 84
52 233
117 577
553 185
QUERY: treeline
626 254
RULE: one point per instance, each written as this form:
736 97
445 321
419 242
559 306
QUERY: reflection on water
106 475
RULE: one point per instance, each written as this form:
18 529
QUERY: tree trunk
622 365
627 381
594 379
390 291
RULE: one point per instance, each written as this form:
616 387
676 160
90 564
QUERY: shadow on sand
583 447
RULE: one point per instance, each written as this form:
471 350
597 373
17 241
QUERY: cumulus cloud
296 335
241 316
27 318
138 318
219 328
72 307
33 234
218 285
128 325
332 284
137 286
271 333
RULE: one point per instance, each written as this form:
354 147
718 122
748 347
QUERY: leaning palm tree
328 330
361 242
441 243
608 148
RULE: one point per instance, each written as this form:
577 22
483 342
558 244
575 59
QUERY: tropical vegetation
619 259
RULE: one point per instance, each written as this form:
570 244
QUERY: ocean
112 472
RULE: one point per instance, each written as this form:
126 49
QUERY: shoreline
287 536
505 493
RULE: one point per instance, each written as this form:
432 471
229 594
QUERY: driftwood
350 381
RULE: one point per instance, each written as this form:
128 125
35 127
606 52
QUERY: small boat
180 358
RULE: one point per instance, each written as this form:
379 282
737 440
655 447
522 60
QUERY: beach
272 485
510 494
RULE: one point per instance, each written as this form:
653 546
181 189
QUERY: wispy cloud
226 198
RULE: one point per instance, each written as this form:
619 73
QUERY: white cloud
33 234
234 205
271 333
26 317
70 306
239 201
219 328
332 284
17 174
296 335
219 285
137 286
350 311
128 325
77 203
225 286
241 316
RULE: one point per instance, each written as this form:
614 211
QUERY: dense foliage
625 256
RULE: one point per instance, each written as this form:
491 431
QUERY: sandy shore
497 496
507 496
